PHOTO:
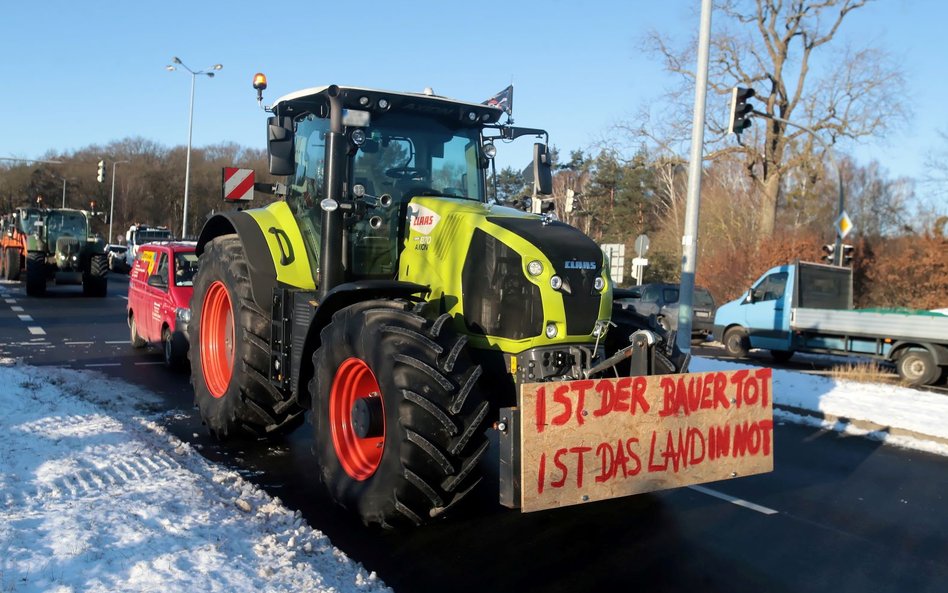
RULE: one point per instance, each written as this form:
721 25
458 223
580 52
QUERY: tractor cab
356 158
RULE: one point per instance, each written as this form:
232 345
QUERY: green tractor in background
62 248
390 297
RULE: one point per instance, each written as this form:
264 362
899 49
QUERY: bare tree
769 45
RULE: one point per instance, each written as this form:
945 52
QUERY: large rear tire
230 350
36 273
95 282
399 419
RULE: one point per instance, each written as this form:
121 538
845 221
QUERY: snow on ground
96 496
911 413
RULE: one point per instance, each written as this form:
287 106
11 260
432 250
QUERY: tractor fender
272 231
262 270
336 299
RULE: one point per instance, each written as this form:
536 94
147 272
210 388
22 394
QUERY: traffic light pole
838 251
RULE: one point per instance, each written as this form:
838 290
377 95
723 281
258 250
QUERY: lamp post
176 61
112 200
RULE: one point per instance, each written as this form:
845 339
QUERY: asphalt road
839 513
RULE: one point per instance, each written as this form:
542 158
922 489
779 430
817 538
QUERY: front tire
736 342
95 282
399 420
36 274
133 336
174 346
11 264
230 350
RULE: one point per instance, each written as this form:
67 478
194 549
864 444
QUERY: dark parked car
661 300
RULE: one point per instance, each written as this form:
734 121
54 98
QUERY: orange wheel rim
359 457
217 339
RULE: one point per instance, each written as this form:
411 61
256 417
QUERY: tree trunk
768 206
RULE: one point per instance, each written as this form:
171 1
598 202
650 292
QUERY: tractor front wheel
36 273
11 264
399 419
229 339
95 282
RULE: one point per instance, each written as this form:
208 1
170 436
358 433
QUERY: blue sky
85 72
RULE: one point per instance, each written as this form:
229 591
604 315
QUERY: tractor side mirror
280 145
542 169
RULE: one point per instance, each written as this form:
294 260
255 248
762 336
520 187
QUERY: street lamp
112 200
187 168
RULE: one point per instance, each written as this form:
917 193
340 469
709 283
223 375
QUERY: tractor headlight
357 136
490 151
599 283
535 268
551 330
556 283
74 258
182 314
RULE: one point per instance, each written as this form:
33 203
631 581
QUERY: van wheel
916 367
736 342
174 347
136 340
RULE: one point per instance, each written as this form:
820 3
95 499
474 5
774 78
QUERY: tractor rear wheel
95 282
230 350
399 419
36 273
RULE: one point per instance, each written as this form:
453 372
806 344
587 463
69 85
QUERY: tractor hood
508 278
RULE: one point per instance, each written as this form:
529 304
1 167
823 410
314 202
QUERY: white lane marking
9 301
16 308
147 363
104 364
123 297
37 331
78 343
117 342
25 317
33 343
734 500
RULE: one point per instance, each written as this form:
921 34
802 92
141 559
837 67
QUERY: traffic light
741 110
829 253
848 254
101 175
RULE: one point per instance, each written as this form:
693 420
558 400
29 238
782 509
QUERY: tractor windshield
408 155
66 224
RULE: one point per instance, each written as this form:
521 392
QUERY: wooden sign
583 441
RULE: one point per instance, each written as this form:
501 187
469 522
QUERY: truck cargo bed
896 326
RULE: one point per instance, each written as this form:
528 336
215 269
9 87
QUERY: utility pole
112 201
689 240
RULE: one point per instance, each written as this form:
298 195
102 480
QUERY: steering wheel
411 173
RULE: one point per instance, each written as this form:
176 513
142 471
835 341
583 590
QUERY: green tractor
62 248
387 295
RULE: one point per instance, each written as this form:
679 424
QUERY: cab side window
771 288
161 269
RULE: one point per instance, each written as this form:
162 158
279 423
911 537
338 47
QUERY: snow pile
97 498
890 407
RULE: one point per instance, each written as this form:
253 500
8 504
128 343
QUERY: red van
159 297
